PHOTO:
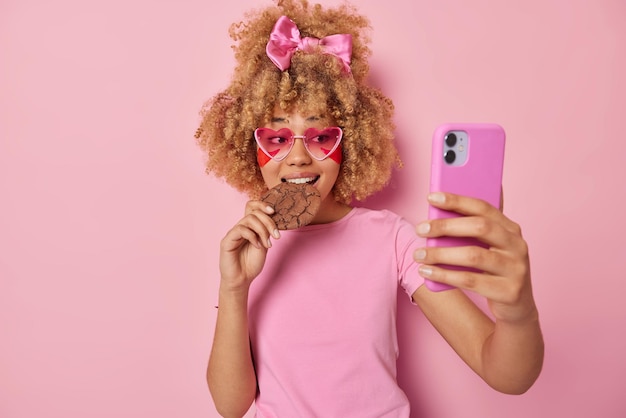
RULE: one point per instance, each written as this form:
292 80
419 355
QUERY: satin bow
285 40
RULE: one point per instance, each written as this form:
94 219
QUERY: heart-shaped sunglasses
277 144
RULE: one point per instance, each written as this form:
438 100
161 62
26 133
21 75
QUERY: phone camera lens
449 156
451 139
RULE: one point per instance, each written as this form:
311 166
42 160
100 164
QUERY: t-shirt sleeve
407 241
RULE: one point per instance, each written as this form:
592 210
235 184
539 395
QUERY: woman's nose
298 154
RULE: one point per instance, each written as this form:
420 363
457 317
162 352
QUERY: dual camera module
455 148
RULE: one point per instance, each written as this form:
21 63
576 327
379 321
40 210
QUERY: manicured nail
423 228
437 197
276 234
425 271
420 254
269 209
269 242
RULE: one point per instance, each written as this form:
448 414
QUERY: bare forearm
230 373
512 356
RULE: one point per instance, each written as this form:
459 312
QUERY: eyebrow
278 119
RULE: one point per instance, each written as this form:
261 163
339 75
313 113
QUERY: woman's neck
330 211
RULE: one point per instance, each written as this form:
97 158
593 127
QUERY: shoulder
382 225
378 215
362 224
379 218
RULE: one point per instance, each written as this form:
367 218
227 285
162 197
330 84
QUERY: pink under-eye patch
337 155
262 158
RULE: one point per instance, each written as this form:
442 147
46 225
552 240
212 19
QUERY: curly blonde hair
228 119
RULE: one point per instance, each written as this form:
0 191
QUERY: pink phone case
480 175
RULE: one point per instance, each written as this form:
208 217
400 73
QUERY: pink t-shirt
322 318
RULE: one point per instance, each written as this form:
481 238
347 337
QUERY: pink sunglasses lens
275 144
320 143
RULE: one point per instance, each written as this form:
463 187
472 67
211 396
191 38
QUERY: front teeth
301 180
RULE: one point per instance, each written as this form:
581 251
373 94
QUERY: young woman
306 318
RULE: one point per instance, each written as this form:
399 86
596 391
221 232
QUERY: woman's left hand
503 275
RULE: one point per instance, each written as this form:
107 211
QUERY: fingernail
425 271
437 197
276 234
269 209
423 228
420 254
269 242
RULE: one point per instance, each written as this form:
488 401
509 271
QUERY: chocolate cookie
295 205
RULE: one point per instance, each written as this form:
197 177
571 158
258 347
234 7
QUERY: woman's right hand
244 247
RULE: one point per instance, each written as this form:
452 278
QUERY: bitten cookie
295 205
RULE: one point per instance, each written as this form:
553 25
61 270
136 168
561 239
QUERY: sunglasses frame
309 134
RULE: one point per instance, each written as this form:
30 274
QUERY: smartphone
467 159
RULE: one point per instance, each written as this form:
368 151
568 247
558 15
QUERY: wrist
520 319
234 293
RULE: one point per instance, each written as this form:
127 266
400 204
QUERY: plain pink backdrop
109 228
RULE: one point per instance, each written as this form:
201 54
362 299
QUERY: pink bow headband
285 40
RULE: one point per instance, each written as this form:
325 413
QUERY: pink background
109 228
